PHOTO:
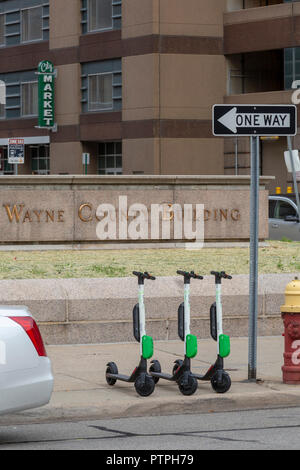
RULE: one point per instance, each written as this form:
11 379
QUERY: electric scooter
220 380
181 373
143 382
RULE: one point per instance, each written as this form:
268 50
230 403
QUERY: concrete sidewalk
81 391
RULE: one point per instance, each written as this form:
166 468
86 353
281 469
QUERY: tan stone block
32 216
67 98
196 91
192 18
140 91
140 18
64 33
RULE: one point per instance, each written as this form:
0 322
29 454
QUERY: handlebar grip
136 273
182 273
148 276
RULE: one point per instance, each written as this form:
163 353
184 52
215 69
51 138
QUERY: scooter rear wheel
155 367
144 385
189 388
224 385
111 369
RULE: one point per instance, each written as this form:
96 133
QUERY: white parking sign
16 151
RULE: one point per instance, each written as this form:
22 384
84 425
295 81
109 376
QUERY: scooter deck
123 378
209 374
161 375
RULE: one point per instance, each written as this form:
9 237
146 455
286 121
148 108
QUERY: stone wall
71 311
63 209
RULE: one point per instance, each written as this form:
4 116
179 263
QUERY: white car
26 379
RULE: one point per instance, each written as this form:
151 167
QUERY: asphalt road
272 429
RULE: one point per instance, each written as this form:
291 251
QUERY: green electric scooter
143 382
181 373
220 380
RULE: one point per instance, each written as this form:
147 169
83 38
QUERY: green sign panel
46 94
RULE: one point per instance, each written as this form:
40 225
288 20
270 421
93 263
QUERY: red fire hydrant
290 313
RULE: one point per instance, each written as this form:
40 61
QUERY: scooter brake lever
148 276
195 276
226 276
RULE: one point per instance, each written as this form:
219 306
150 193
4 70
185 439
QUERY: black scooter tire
144 386
155 367
111 369
190 388
222 387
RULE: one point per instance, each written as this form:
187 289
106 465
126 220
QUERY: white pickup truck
26 379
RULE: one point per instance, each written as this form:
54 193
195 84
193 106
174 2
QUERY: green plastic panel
224 345
147 346
191 346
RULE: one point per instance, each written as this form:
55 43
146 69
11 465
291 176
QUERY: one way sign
252 120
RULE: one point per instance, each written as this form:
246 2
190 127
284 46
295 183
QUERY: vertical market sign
46 87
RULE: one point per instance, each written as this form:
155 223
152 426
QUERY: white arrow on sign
234 120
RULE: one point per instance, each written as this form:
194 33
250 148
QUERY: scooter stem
142 315
219 312
187 313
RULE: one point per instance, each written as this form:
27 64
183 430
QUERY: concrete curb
260 397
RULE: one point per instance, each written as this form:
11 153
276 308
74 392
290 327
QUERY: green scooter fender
191 346
147 347
224 345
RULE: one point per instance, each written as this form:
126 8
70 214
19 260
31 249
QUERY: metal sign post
253 278
254 121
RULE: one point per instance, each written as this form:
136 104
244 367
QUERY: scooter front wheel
189 387
144 385
111 369
221 386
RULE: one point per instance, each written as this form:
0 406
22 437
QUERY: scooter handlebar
190 275
220 275
143 276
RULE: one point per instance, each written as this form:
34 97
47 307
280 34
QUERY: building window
101 86
110 158
32 24
40 159
2 30
100 92
291 66
5 167
29 99
22 25
100 15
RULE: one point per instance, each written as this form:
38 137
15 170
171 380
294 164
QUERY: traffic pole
253 278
